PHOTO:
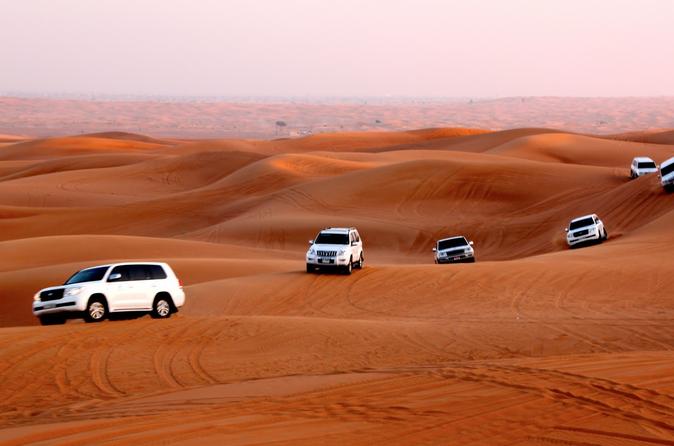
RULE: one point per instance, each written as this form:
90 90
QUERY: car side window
139 272
124 271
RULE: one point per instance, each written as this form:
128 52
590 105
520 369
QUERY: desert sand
534 344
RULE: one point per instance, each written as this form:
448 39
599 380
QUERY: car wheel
97 310
52 319
310 269
349 267
162 307
472 260
605 235
361 261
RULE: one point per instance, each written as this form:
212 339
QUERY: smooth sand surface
534 344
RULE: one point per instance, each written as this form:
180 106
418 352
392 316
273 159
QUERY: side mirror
566 229
435 250
354 243
114 277
311 242
471 243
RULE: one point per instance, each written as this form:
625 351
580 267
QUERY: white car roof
123 263
584 216
337 230
667 163
641 159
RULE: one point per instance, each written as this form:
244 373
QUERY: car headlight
74 291
312 252
341 252
36 297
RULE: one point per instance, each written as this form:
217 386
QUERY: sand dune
533 344
257 117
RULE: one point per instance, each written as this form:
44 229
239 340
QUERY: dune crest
534 344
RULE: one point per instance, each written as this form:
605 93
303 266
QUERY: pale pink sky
465 48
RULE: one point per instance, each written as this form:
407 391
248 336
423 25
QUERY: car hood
65 287
328 247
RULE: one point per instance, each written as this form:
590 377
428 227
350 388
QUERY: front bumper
571 241
64 305
457 258
327 261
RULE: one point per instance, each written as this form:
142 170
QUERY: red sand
534 344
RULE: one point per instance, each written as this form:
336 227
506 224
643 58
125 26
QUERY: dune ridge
534 344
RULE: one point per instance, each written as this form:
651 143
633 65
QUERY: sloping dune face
534 344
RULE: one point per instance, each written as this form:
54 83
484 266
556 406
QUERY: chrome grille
52 294
327 253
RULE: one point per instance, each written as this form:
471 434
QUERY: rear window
452 243
156 272
667 169
88 275
325 238
581 223
647 165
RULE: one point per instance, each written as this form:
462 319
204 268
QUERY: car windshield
326 238
451 243
581 223
88 275
647 165
667 169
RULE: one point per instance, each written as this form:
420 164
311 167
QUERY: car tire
97 309
472 260
162 307
361 261
310 269
605 235
52 319
348 269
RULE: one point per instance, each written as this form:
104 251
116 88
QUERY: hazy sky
338 47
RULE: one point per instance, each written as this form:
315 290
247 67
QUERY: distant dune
534 344
217 118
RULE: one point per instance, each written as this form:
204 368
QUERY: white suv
340 248
454 250
667 174
585 229
642 165
105 289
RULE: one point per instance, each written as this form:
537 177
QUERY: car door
155 283
358 249
141 287
119 290
600 225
